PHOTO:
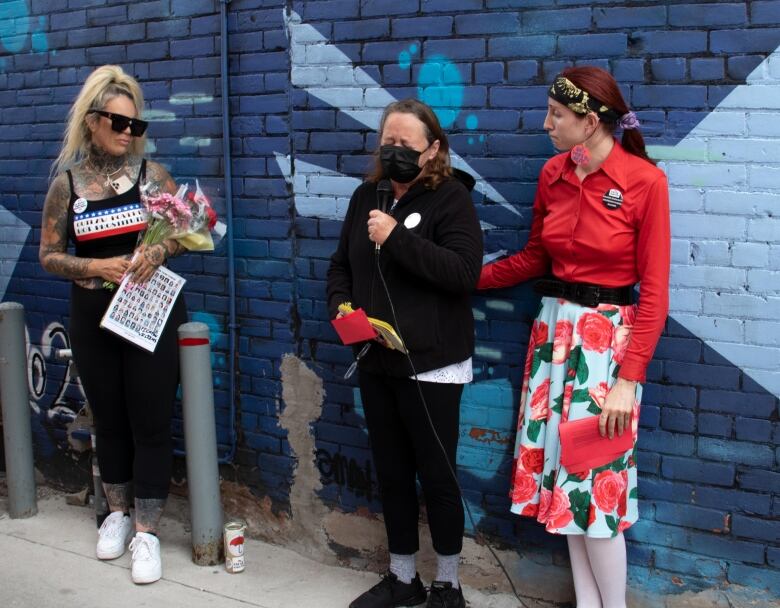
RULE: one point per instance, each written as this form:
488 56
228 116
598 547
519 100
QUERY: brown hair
438 168
601 84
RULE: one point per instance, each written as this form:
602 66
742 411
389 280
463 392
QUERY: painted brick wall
308 80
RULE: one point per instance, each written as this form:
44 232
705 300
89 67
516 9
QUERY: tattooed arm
54 242
149 257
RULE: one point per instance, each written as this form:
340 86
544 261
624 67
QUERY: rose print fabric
574 355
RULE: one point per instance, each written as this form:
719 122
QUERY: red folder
354 327
583 448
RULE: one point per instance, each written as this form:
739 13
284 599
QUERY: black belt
585 293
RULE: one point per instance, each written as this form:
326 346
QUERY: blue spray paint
14 25
39 42
440 85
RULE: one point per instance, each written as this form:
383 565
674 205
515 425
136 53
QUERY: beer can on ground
234 546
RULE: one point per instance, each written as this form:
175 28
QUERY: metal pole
200 436
17 432
227 168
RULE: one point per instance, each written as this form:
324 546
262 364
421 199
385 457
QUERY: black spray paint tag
612 199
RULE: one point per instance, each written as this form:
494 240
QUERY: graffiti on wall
346 472
57 398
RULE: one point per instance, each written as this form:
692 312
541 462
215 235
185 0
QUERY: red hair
601 84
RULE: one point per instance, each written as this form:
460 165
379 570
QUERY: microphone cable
438 440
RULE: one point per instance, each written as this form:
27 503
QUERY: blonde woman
131 392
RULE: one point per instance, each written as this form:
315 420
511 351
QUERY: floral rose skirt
574 354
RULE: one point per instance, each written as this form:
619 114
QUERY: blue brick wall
308 80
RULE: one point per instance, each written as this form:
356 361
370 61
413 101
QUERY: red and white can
234 546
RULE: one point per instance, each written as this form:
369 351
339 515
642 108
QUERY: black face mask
400 163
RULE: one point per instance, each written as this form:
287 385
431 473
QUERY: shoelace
111 526
141 548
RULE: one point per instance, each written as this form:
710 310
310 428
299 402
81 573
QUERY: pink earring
580 155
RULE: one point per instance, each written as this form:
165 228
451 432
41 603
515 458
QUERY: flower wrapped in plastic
186 217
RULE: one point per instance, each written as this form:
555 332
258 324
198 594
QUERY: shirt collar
615 166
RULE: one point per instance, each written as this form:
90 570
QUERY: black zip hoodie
431 262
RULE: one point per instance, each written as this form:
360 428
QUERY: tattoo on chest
92 178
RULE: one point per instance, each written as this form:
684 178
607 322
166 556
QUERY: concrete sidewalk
49 561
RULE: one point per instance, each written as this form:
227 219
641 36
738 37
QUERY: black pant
131 393
404 446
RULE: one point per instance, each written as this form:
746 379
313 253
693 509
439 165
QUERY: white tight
599 569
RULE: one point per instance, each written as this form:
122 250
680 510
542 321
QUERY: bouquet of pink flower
187 217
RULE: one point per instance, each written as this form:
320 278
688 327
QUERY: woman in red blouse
600 225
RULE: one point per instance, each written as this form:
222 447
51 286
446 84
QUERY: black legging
131 393
403 447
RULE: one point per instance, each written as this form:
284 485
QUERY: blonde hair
102 85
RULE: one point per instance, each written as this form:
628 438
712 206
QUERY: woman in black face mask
427 244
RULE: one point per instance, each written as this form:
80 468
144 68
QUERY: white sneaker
113 535
147 566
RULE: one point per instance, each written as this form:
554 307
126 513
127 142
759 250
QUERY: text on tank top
108 227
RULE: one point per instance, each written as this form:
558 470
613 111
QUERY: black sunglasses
120 122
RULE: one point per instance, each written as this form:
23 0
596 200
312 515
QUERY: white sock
447 569
403 566
609 566
585 586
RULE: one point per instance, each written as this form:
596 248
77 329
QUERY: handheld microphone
384 194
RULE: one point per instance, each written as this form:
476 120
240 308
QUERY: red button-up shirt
577 237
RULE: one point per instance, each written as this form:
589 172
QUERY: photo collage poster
138 313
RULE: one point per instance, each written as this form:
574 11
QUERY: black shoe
442 595
390 592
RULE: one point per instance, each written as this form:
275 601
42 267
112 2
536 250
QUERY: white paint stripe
14 235
730 119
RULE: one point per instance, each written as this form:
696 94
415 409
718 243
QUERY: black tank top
109 227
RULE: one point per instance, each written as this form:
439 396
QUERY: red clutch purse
583 448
